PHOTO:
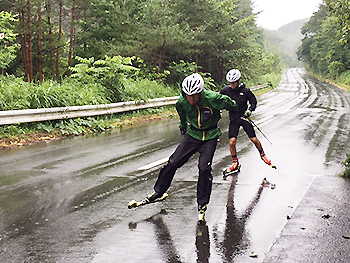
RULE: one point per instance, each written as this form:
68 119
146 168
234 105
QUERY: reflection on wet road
234 238
67 201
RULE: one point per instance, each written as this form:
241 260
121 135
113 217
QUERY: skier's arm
252 100
182 115
225 102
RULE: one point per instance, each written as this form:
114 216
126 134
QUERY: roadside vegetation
325 45
58 54
29 133
346 166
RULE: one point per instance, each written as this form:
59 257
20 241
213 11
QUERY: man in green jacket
199 112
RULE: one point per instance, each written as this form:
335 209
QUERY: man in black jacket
242 95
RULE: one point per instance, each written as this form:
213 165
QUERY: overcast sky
276 13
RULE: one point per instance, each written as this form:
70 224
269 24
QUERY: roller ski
266 160
234 168
152 198
201 214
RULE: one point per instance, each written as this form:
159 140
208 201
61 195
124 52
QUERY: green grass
346 166
16 94
144 89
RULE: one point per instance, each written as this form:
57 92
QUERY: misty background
286 40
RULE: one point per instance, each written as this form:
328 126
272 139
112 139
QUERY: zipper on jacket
199 117
199 122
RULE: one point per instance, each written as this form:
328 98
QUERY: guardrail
259 87
35 115
59 113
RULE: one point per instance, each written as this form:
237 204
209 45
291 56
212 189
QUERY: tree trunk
30 52
222 70
48 9
39 49
160 59
196 55
71 39
59 40
23 44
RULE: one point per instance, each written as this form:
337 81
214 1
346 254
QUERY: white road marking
154 164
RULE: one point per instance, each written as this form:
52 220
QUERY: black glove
182 131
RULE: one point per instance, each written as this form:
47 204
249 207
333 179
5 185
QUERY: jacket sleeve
252 100
225 102
182 114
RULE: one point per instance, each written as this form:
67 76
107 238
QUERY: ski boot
235 165
152 198
234 168
201 213
266 160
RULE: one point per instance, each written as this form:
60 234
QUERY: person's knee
233 142
173 163
204 167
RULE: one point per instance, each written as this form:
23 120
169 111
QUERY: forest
56 53
325 48
109 45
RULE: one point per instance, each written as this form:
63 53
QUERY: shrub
346 165
144 89
345 77
16 94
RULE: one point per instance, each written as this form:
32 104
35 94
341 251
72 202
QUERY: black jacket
242 95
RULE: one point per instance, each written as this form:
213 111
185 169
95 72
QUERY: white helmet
193 84
233 75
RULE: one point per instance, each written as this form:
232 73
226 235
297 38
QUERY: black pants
183 152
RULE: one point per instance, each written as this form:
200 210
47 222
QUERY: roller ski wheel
273 166
227 172
148 200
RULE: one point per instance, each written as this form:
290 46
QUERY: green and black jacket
201 120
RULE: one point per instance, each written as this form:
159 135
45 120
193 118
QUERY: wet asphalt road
67 201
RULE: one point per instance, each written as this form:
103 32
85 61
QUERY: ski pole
258 129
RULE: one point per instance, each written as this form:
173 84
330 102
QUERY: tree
50 37
40 61
108 28
8 46
159 31
340 9
322 48
71 38
311 30
59 38
215 34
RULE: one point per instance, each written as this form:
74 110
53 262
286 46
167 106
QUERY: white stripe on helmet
233 75
193 84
